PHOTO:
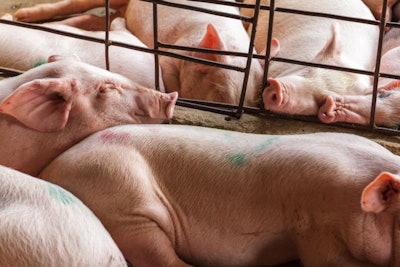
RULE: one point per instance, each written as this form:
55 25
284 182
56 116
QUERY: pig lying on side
181 195
357 108
184 28
42 224
48 109
22 49
296 89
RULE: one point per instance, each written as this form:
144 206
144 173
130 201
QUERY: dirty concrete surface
247 123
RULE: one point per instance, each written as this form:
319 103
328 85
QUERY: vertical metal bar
249 58
378 65
268 47
156 47
107 37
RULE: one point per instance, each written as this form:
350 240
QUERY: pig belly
301 37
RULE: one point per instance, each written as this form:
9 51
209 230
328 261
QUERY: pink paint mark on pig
255 233
108 136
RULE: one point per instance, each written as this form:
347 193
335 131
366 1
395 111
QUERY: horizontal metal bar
7 72
324 66
199 9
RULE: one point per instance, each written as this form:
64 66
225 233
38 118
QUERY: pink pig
175 195
183 28
357 108
50 108
297 89
44 225
23 48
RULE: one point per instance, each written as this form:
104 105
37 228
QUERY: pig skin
174 195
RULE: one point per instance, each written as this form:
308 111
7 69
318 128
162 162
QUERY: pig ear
334 47
382 193
211 40
275 47
42 105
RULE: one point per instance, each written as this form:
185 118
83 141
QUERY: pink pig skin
296 89
196 29
357 108
44 225
23 48
184 28
48 109
174 195
376 8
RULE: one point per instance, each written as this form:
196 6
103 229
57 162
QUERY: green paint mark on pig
61 195
237 159
38 63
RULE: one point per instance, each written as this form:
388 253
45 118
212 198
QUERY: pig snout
273 95
155 105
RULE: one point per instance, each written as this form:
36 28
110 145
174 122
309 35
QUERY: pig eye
106 88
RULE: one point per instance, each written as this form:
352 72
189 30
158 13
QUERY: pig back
217 193
44 225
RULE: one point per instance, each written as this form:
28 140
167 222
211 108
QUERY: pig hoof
327 112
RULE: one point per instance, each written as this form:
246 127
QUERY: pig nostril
274 98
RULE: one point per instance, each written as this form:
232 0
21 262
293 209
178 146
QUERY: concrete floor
247 123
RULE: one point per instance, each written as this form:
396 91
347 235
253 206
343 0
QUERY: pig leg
62 8
142 252
87 22
355 109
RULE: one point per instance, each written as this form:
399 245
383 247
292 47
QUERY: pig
44 225
184 27
178 195
297 89
48 109
377 6
23 48
357 108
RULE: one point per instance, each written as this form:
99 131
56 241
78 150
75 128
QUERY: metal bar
107 37
249 59
314 14
198 9
202 50
378 64
324 66
268 49
205 107
6 72
156 47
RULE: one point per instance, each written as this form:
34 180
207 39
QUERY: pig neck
27 150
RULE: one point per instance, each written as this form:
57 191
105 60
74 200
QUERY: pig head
302 89
49 108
